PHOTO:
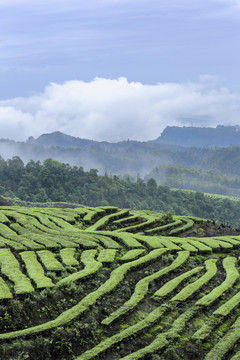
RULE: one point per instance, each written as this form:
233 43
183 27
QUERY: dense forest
55 181
127 157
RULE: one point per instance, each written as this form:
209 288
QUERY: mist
115 159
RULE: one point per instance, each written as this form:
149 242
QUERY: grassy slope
97 287
211 195
183 177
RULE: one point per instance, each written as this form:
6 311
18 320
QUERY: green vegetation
105 241
152 242
146 322
10 268
49 261
200 246
225 343
126 239
142 287
172 284
132 254
89 217
35 270
5 292
105 220
88 294
67 256
216 243
228 306
213 181
188 225
231 276
9 234
54 182
161 228
190 289
116 277
107 255
91 267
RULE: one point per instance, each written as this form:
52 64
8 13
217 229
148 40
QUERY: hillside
134 158
204 169
53 181
59 139
183 177
103 283
221 136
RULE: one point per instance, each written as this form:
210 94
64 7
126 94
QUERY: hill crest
186 136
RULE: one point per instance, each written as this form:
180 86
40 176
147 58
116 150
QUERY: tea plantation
105 283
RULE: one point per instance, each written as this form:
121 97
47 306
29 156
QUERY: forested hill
130 157
182 177
55 181
59 139
221 136
215 170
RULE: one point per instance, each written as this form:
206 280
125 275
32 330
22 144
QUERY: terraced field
105 283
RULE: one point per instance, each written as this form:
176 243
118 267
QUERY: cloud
116 109
14 122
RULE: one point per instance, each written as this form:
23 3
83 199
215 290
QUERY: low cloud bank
116 109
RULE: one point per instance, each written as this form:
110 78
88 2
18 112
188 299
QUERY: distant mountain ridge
58 138
210 169
221 136
134 158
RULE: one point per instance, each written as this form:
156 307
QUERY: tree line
53 181
182 177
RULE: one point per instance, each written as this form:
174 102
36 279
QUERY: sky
117 69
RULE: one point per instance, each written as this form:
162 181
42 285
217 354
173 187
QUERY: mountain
220 136
60 139
57 138
134 158
137 159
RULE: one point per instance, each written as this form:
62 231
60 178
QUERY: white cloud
115 109
14 123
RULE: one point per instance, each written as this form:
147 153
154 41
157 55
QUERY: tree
151 183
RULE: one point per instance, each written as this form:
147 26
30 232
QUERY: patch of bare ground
4 202
208 229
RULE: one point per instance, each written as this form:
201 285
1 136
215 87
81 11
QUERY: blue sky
184 44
